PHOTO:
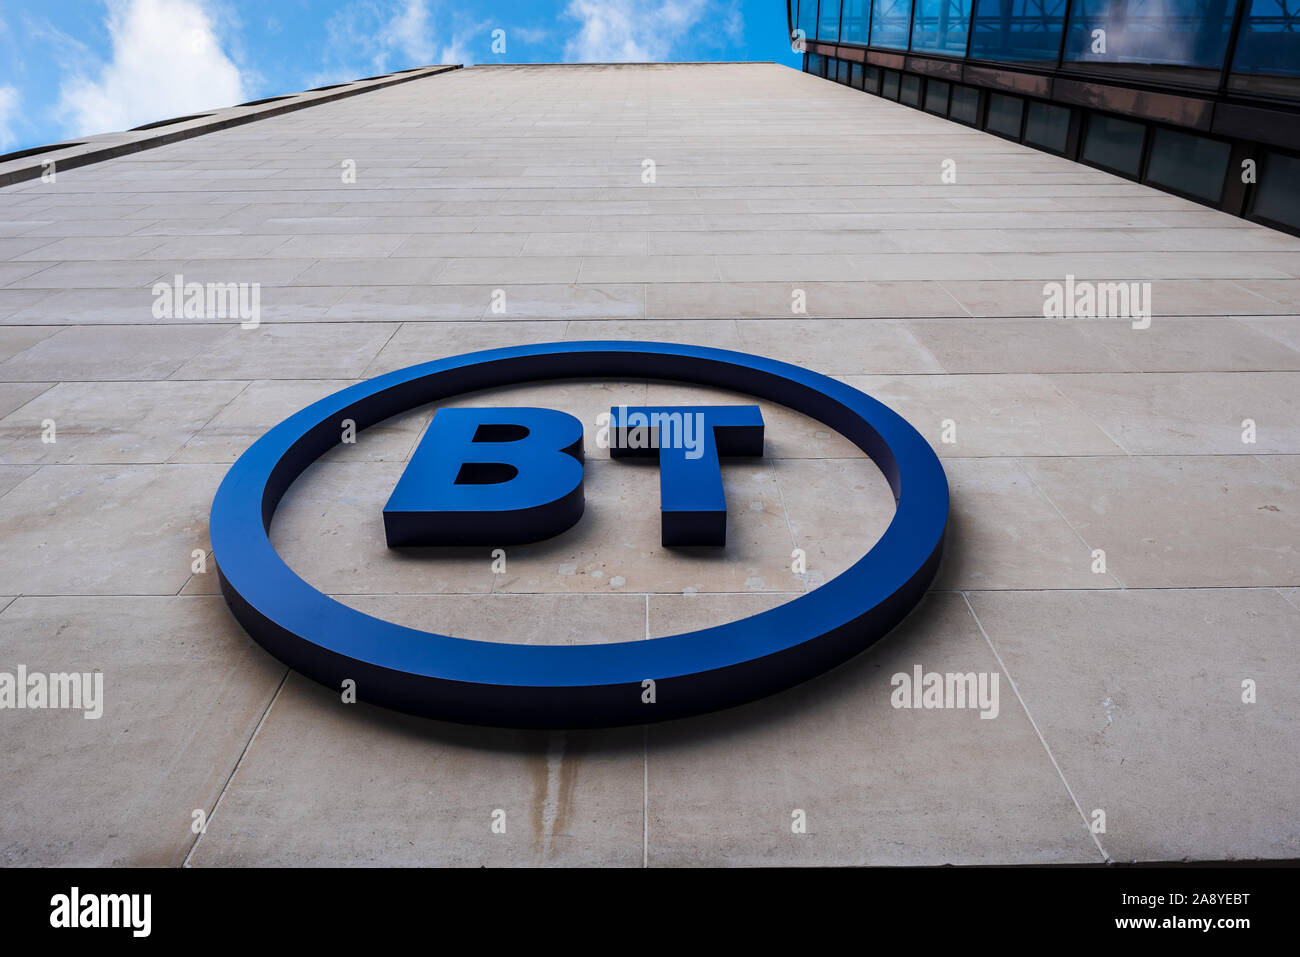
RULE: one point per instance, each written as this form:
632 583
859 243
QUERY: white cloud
409 33
733 22
457 51
166 61
8 111
622 31
377 36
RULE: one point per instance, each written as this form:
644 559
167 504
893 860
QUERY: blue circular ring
565 686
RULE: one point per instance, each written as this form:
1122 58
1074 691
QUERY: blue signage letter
489 477
687 441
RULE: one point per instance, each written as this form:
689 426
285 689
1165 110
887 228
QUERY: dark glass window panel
1005 113
1277 196
828 24
856 21
1047 126
911 92
871 79
936 97
939 26
891 22
1115 144
1166 32
856 80
1017 30
1188 164
965 105
816 64
1269 41
844 71
891 85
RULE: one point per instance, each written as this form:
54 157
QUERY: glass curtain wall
806 18
855 21
940 26
891 23
1268 47
1187 38
1182 33
828 21
1026 31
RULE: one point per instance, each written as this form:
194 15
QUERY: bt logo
510 476
497 476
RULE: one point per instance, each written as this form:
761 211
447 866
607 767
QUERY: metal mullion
1065 32
1238 18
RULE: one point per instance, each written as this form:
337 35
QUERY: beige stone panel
1139 694
877 784
383 789
105 529
183 691
1181 521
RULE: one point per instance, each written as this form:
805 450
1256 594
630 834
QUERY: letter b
489 477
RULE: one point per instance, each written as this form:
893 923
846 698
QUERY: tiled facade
1121 689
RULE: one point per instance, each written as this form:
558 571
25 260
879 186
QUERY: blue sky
73 68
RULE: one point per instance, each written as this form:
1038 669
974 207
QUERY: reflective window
856 80
911 92
891 22
965 105
1168 32
1188 164
855 22
1269 41
891 85
940 26
1114 144
1005 113
844 71
1026 30
936 97
871 79
828 24
807 20
1277 197
1047 126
